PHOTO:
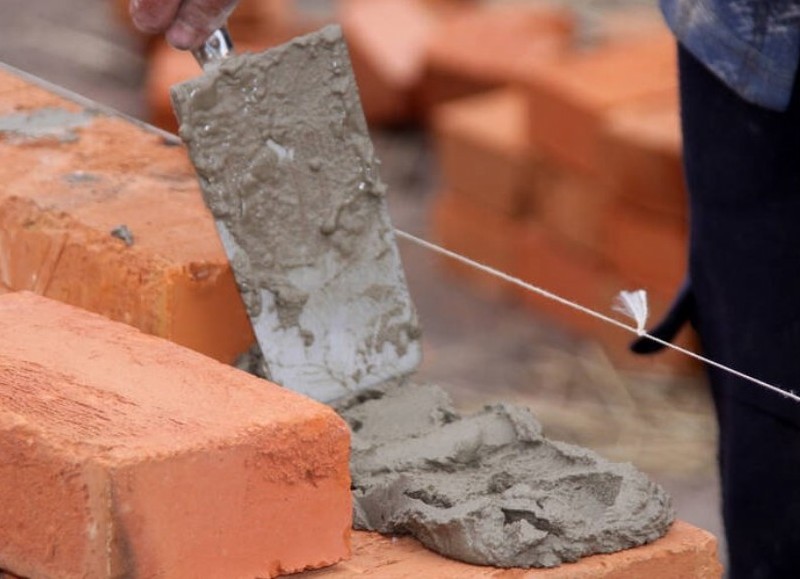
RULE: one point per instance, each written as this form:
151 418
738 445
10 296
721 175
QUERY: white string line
576 306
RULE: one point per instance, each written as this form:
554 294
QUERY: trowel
286 166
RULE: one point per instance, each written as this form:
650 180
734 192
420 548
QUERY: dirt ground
481 349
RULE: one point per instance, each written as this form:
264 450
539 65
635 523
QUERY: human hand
187 23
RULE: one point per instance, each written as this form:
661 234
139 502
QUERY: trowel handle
215 48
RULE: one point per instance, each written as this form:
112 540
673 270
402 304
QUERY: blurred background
538 137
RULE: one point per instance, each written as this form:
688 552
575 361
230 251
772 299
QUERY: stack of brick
387 40
489 47
126 454
70 180
570 178
409 55
489 173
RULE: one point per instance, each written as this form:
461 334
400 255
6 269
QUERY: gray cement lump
489 488
287 168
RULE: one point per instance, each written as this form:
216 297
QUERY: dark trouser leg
743 173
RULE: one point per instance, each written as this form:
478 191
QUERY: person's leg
743 174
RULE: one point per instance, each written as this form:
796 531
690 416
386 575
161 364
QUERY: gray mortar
489 488
123 233
46 122
287 168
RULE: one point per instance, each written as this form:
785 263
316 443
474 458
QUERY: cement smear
46 122
489 488
286 165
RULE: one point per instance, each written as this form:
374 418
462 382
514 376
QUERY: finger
153 16
196 20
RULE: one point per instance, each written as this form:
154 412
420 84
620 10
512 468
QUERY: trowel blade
281 148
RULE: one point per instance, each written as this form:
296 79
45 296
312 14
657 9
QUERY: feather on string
634 305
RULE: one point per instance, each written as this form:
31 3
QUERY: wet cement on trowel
287 168
489 488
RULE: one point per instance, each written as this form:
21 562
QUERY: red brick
543 258
9 81
166 67
649 250
128 455
489 47
570 97
547 261
484 152
467 228
59 201
387 40
686 552
18 96
254 20
573 205
642 155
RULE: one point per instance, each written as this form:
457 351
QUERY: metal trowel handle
216 47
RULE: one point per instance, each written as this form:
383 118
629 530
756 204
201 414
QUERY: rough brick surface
571 96
17 95
686 552
488 47
387 40
62 194
10 82
484 151
129 456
